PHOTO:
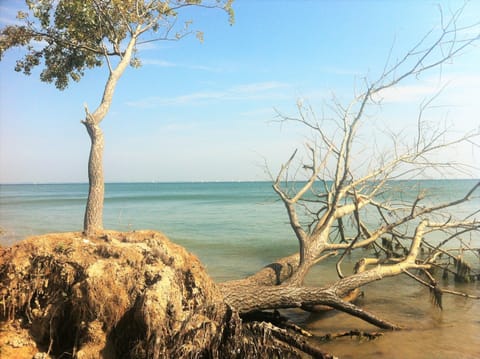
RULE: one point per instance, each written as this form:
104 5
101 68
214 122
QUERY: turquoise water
214 220
233 227
236 228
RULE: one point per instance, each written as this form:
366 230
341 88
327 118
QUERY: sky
208 111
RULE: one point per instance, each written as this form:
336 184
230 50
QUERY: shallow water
453 332
236 228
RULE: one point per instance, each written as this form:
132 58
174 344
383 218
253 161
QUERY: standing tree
67 37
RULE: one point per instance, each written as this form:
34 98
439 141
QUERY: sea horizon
223 181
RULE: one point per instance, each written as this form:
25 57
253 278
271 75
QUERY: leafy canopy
69 36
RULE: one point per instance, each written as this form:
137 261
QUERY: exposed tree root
287 339
352 333
276 319
134 295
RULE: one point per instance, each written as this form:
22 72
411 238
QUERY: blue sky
204 111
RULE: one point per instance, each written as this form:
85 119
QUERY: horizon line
214 181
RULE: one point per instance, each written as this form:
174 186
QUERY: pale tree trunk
93 220
247 297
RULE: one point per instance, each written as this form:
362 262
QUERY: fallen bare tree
328 195
138 295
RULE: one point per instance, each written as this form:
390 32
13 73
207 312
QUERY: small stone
16 343
41 355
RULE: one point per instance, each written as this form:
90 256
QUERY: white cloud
262 112
456 86
146 46
333 70
253 91
156 62
258 87
9 15
7 21
163 63
407 93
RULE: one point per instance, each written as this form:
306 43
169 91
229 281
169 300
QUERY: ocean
235 228
210 219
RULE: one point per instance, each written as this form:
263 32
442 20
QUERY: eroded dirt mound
124 295
119 295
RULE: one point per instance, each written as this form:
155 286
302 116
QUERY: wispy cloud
407 93
252 91
160 63
8 21
262 112
458 86
163 63
334 70
8 15
146 46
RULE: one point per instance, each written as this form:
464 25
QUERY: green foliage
70 36
135 63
